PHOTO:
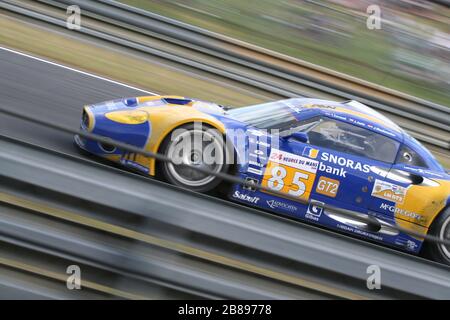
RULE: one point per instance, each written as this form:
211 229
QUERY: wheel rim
194 154
445 234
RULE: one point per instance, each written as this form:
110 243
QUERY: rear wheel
198 146
441 229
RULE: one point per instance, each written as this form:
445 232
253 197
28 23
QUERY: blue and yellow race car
309 155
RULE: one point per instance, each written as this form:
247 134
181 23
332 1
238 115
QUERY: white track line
78 71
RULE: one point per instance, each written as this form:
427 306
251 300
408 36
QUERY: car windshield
349 138
273 115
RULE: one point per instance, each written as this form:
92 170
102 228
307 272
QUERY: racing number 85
278 177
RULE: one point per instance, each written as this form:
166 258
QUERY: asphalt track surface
53 93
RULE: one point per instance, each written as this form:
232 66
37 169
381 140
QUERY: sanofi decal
245 197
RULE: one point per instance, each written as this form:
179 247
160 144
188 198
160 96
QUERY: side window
410 157
303 126
351 139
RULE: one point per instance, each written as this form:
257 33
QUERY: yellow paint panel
128 116
153 98
113 157
424 200
166 118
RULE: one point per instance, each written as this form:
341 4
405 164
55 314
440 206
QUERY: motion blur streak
76 70
49 92
181 248
63 277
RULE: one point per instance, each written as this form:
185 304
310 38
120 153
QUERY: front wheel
440 229
197 146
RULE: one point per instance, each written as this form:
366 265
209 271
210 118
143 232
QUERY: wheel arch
156 148
441 211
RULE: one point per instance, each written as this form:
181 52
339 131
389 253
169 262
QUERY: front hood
114 105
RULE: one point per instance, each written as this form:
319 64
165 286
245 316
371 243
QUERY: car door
332 167
341 179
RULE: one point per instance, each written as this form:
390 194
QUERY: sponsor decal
256 164
403 212
315 209
245 197
357 122
294 161
327 186
360 232
389 191
319 106
406 243
411 245
255 171
336 116
259 142
310 152
381 130
275 204
344 162
290 173
258 152
258 157
340 172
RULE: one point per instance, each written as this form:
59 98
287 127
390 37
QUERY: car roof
367 117
350 111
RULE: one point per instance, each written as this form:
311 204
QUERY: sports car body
309 155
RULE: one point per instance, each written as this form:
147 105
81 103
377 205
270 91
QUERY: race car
308 155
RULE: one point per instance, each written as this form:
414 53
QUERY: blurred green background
410 53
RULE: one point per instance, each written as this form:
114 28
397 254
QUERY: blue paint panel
134 134
322 217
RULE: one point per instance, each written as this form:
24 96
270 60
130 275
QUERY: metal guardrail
253 66
279 250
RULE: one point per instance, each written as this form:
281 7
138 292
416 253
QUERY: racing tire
179 146
440 228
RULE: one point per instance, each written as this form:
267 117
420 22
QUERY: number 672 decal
291 174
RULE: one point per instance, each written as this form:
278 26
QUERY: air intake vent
177 101
130 102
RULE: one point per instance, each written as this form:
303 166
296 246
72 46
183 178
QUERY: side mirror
299 136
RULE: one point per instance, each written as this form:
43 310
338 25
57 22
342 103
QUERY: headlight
87 119
128 117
